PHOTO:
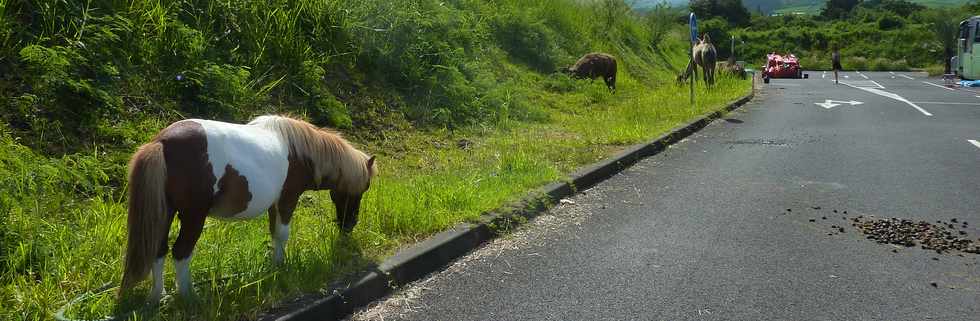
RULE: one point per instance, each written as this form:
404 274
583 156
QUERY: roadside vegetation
871 34
459 99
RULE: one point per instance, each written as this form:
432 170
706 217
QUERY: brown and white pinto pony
198 168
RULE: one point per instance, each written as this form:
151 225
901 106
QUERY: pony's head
332 163
706 38
347 191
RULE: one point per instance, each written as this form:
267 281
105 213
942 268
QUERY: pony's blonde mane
331 157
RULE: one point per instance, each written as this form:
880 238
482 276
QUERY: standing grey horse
704 55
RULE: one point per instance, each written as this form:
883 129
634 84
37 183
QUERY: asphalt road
701 231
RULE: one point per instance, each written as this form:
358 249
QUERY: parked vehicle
967 63
779 66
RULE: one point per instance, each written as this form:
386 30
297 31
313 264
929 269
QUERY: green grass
405 80
426 189
935 70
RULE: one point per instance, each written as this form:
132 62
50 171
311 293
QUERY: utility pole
694 68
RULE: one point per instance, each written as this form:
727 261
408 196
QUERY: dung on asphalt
942 237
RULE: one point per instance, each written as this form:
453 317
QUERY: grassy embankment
875 35
458 99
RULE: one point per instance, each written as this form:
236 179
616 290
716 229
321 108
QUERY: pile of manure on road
942 237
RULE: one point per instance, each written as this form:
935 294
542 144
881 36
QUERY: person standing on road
835 59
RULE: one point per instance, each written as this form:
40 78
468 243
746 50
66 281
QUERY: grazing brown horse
704 55
198 168
595 65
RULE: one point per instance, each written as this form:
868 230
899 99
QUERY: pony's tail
147 212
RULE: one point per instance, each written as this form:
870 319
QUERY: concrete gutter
436 252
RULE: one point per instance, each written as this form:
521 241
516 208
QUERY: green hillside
814 6
792 6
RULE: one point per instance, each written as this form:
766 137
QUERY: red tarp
778 66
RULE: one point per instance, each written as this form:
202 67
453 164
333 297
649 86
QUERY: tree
838 9
944 24
660 21
731 10
902 8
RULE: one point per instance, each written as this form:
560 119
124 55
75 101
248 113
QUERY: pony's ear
370 162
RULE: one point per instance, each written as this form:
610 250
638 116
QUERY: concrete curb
436 252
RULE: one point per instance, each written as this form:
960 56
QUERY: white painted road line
880 92
975 143
901 75
938 85
944 103
862 75
864 83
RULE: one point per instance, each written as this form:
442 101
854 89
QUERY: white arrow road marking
827 104
901 75
834 103
880 92
937 85
975 143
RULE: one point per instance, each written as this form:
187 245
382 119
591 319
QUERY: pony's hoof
155 298
189 296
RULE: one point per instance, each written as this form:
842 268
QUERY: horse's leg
191 226
692 70
695 74
157 291
279 217
279 230
711 72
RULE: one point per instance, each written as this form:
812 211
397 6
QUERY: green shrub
855 63
216 91
935 70
63 100
527 40
890 22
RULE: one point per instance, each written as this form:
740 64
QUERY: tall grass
463 117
